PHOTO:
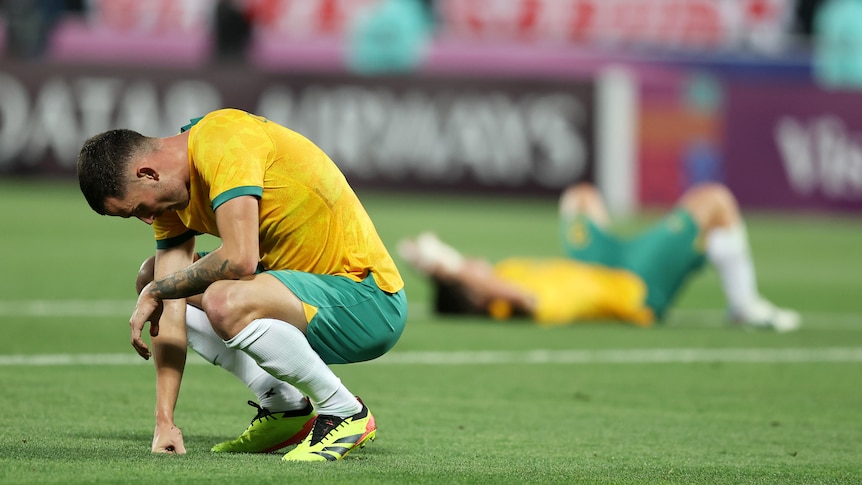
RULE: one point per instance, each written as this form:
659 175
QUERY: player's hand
148 308
168 439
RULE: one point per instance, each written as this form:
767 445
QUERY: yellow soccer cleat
333 437
270 431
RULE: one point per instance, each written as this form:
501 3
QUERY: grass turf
67 289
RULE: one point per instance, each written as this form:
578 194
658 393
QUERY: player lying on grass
301 278
603 276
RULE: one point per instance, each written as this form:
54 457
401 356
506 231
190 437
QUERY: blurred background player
605 276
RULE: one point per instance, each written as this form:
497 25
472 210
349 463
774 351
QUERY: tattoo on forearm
194 279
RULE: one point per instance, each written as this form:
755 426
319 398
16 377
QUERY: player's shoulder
228 116
224 123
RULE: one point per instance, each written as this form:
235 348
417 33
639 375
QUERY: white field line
566 357
630 356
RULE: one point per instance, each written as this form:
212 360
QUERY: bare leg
712 206
271 393
260 316
717 214
584 199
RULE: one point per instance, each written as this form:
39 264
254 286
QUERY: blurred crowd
390 34
29 24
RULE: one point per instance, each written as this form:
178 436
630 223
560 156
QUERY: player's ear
147 172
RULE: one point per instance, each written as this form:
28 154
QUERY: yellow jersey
310 218
566 290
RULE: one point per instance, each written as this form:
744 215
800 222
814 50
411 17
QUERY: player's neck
175 151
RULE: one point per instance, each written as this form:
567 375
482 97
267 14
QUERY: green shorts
663 256
354 322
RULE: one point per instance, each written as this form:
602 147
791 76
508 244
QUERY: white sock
273 394
284 351
727 249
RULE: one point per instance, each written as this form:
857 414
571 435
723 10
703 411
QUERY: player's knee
584 198
721 192
576 197
223 304
145 274
711 204
581 191
711 194
217 304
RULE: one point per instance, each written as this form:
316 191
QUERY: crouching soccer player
301 278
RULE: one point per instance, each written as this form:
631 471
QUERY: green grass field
457 400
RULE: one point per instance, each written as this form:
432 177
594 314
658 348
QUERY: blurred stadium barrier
448 132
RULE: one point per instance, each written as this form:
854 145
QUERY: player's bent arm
169 336
238 256
238 222
487 288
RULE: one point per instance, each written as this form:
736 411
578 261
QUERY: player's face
146 201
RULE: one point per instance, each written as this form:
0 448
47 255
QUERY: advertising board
442 132
794 146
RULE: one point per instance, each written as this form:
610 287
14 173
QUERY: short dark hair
102 164
451 298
